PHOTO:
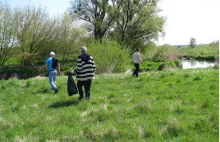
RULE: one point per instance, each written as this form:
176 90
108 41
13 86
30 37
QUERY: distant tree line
132 23
30 33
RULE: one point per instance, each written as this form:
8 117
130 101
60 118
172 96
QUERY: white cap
52 53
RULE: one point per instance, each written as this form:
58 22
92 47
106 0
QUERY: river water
192 63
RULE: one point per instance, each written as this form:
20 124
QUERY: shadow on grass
64 104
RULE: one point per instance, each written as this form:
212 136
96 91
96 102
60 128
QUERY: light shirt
137 58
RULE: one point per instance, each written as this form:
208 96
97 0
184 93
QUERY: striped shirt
85 68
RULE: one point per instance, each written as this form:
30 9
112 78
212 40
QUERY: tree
70 35
100 14
130 22
8 40
36 31
192 42
138 21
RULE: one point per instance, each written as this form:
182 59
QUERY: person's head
138 49
83 49
52 54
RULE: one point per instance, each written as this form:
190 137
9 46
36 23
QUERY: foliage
192 42
21 72
70 37
203 51
155 66
36 33
216 66
177 105
109 56
138 21
8 40
99 14
162 53
131 23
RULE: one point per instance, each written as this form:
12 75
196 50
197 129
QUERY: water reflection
192 63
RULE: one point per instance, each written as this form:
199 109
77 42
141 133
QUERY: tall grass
177 105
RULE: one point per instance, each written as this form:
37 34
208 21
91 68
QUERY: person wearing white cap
85 72
52 66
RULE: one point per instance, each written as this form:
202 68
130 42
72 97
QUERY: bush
166 53
21 72
109 56
216 66
154 66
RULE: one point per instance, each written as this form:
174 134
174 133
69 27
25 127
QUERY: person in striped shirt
85 73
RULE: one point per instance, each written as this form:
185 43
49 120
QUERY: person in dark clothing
85 73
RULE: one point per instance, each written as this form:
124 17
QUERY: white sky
185 18
190 18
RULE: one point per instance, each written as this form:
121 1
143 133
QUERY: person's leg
134 73
54 77
87 88
137 68
79 86
51 80
54 81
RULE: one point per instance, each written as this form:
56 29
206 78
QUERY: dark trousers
135 73
87 84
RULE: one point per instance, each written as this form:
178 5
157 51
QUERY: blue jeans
52 79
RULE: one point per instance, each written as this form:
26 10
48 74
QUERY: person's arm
93 64
139 58
46 65
58 68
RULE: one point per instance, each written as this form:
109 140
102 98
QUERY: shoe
87 98
56 90
80 98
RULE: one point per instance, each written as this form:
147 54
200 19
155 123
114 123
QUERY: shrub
216 66
165 53
109 56
21 72
154 66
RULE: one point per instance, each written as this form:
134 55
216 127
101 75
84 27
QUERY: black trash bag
71 86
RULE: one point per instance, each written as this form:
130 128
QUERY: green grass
170 105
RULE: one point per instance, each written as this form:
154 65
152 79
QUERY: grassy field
171 105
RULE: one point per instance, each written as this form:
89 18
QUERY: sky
184 18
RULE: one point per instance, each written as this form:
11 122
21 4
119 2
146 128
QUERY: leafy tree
70 36
99 14
36 31
130 22
7 30
192 42
138 21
